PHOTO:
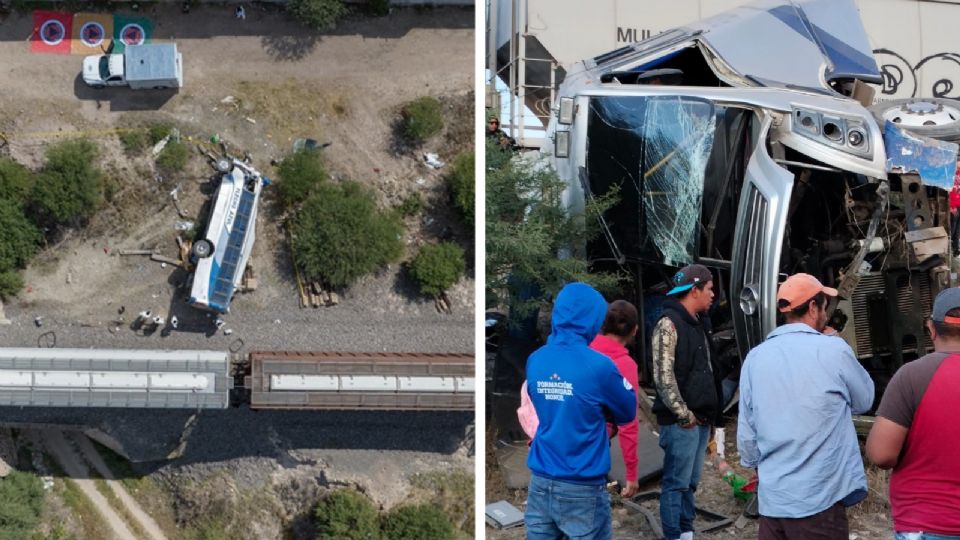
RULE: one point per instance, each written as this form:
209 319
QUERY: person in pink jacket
619 330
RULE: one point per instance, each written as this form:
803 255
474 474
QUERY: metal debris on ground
503 515
38 321
126 252
161 144
433 160
248 119
174 322
218 322
183 225
47 482
227 331
163 259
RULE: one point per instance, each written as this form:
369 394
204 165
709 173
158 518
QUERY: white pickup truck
156 66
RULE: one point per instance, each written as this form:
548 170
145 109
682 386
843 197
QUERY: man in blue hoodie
575 391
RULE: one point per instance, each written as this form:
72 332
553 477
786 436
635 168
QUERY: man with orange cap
798 390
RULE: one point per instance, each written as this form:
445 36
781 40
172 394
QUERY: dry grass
290 108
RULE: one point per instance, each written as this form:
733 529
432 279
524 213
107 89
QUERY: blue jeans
683 452
922 536
557 510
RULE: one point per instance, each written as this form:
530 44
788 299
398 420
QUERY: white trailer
157 66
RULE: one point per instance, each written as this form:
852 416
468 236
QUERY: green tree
533 244
462 186
67 189
22 496
417 522
340 235
16 182
437 267
422 118
348 515
300 173
19 239
318 14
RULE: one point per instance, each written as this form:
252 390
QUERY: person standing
574 391
916 432
619 330
798 390
688 397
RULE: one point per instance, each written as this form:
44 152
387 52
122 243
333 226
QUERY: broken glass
679 136
654 151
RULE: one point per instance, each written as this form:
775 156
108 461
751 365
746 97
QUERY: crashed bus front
759 169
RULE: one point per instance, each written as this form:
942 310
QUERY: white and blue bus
221 254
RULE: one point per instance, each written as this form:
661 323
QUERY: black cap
688 276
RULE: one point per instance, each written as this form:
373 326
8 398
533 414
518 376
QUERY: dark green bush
340 235
16 182
22 496
135 140
348 515
318 14
379 7
422 118
416 523
19 239
11 282
437 267
67 189
300 173
411 205
173 158
461 182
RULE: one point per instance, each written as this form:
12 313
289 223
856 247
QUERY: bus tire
202 249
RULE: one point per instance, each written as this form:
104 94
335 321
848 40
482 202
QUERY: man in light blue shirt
797 392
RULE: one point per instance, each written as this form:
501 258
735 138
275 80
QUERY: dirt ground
345 87
870 520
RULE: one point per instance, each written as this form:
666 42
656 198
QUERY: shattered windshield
655 151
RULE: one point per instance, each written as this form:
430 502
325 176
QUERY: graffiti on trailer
901 78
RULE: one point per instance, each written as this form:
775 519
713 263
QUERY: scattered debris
38 320
162 259
183 225
218 322
227 331
161 144
248 119
174 322
433 160
421 181
126 252
503 515
442 303
47 482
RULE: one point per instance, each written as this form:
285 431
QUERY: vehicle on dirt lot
761 165
222 252
157 66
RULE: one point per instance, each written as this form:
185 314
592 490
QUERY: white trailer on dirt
156 65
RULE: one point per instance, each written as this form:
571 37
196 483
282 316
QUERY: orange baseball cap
799 289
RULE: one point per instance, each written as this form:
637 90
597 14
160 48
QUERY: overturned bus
747 142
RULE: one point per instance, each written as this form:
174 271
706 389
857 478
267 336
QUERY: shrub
340 235
22 496
461 182
173 158
16 182
349 515
157 132
417 522
300 173
437 267
19 239
135 141
67 189
411 205
11 282
318 14
422 118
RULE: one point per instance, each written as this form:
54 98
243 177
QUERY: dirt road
62 449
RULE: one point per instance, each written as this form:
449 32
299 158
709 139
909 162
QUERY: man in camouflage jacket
688 396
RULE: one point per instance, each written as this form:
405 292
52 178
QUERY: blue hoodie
573 389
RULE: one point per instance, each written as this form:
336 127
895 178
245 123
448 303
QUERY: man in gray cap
688 397
916 432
